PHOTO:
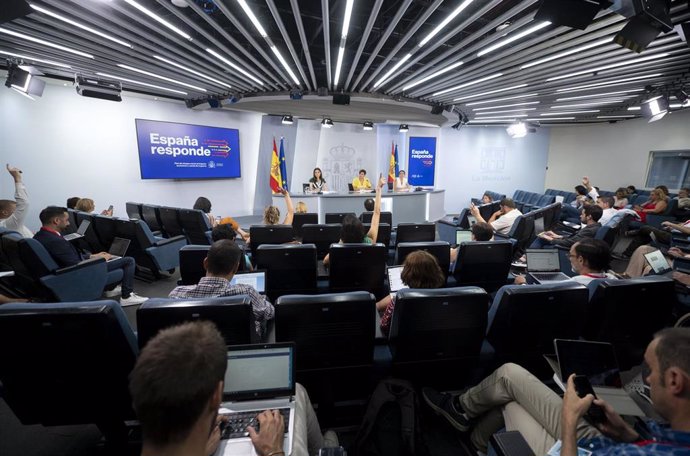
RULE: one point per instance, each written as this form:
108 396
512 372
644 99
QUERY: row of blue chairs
89 347
173 221
530 201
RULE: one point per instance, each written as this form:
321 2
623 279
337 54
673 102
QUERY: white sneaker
114 292
132 300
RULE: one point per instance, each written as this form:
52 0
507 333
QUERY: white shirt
607 215
585 279
15 222
401 184
504 223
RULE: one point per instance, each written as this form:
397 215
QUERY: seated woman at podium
317 182
361 182
352 230
400 183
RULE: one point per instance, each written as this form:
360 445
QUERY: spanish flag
276 178
393 164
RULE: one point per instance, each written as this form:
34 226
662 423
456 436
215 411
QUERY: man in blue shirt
513 398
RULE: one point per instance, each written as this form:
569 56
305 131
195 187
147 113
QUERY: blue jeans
540 243
128 266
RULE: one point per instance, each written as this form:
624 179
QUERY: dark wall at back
272 127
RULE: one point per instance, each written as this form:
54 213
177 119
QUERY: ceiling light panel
392 70
584 105
501 117
505 110
191 71
445 22
44 42
607 67
236 67
601 95
145 84
164 78
608 83
490 92
34 59
343 40
433 75
541 119
513 37
584 47
158 19
496 100
565 113
80 25
468 84
506 106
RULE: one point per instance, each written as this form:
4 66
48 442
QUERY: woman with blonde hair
272 213
88 205
301 207
420 270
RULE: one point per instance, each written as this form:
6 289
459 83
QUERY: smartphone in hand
595 413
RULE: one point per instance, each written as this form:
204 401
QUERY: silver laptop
257 378
257 279
658 262
118 248
544 266
394 281
596 360
81 231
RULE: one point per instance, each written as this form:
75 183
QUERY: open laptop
658 262
463 236
544 266
257 378
81 231
257 279
118 248
395 283
350 187
596 360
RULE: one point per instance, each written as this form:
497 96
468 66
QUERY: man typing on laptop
177 387
221 264
54 219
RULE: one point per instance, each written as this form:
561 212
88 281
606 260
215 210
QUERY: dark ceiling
217 51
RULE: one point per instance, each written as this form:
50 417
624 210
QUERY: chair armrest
171 240
84 264
655 220
510 443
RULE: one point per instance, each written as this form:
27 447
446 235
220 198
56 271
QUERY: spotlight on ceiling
231 99
295 94
23 80
681 96
647 19
327 123
403 128
287 120
655 108
367 126
517 130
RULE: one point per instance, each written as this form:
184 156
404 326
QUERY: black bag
390 424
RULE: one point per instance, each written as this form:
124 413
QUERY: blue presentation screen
422 160
169 150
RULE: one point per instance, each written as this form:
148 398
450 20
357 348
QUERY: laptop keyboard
236 426
546 276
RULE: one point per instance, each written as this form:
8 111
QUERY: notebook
257 378
463 236
543 266
658 262
394 281
118 248
257 279
81 231
596 360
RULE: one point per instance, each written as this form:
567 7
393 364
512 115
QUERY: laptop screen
255 371
257 279
463 236
542 260
596 360
83 226
119 246
394 279
657 261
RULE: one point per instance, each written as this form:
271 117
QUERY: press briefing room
281 220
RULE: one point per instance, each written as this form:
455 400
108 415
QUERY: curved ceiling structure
489 60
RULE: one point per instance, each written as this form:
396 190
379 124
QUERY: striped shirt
664 442
216 287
